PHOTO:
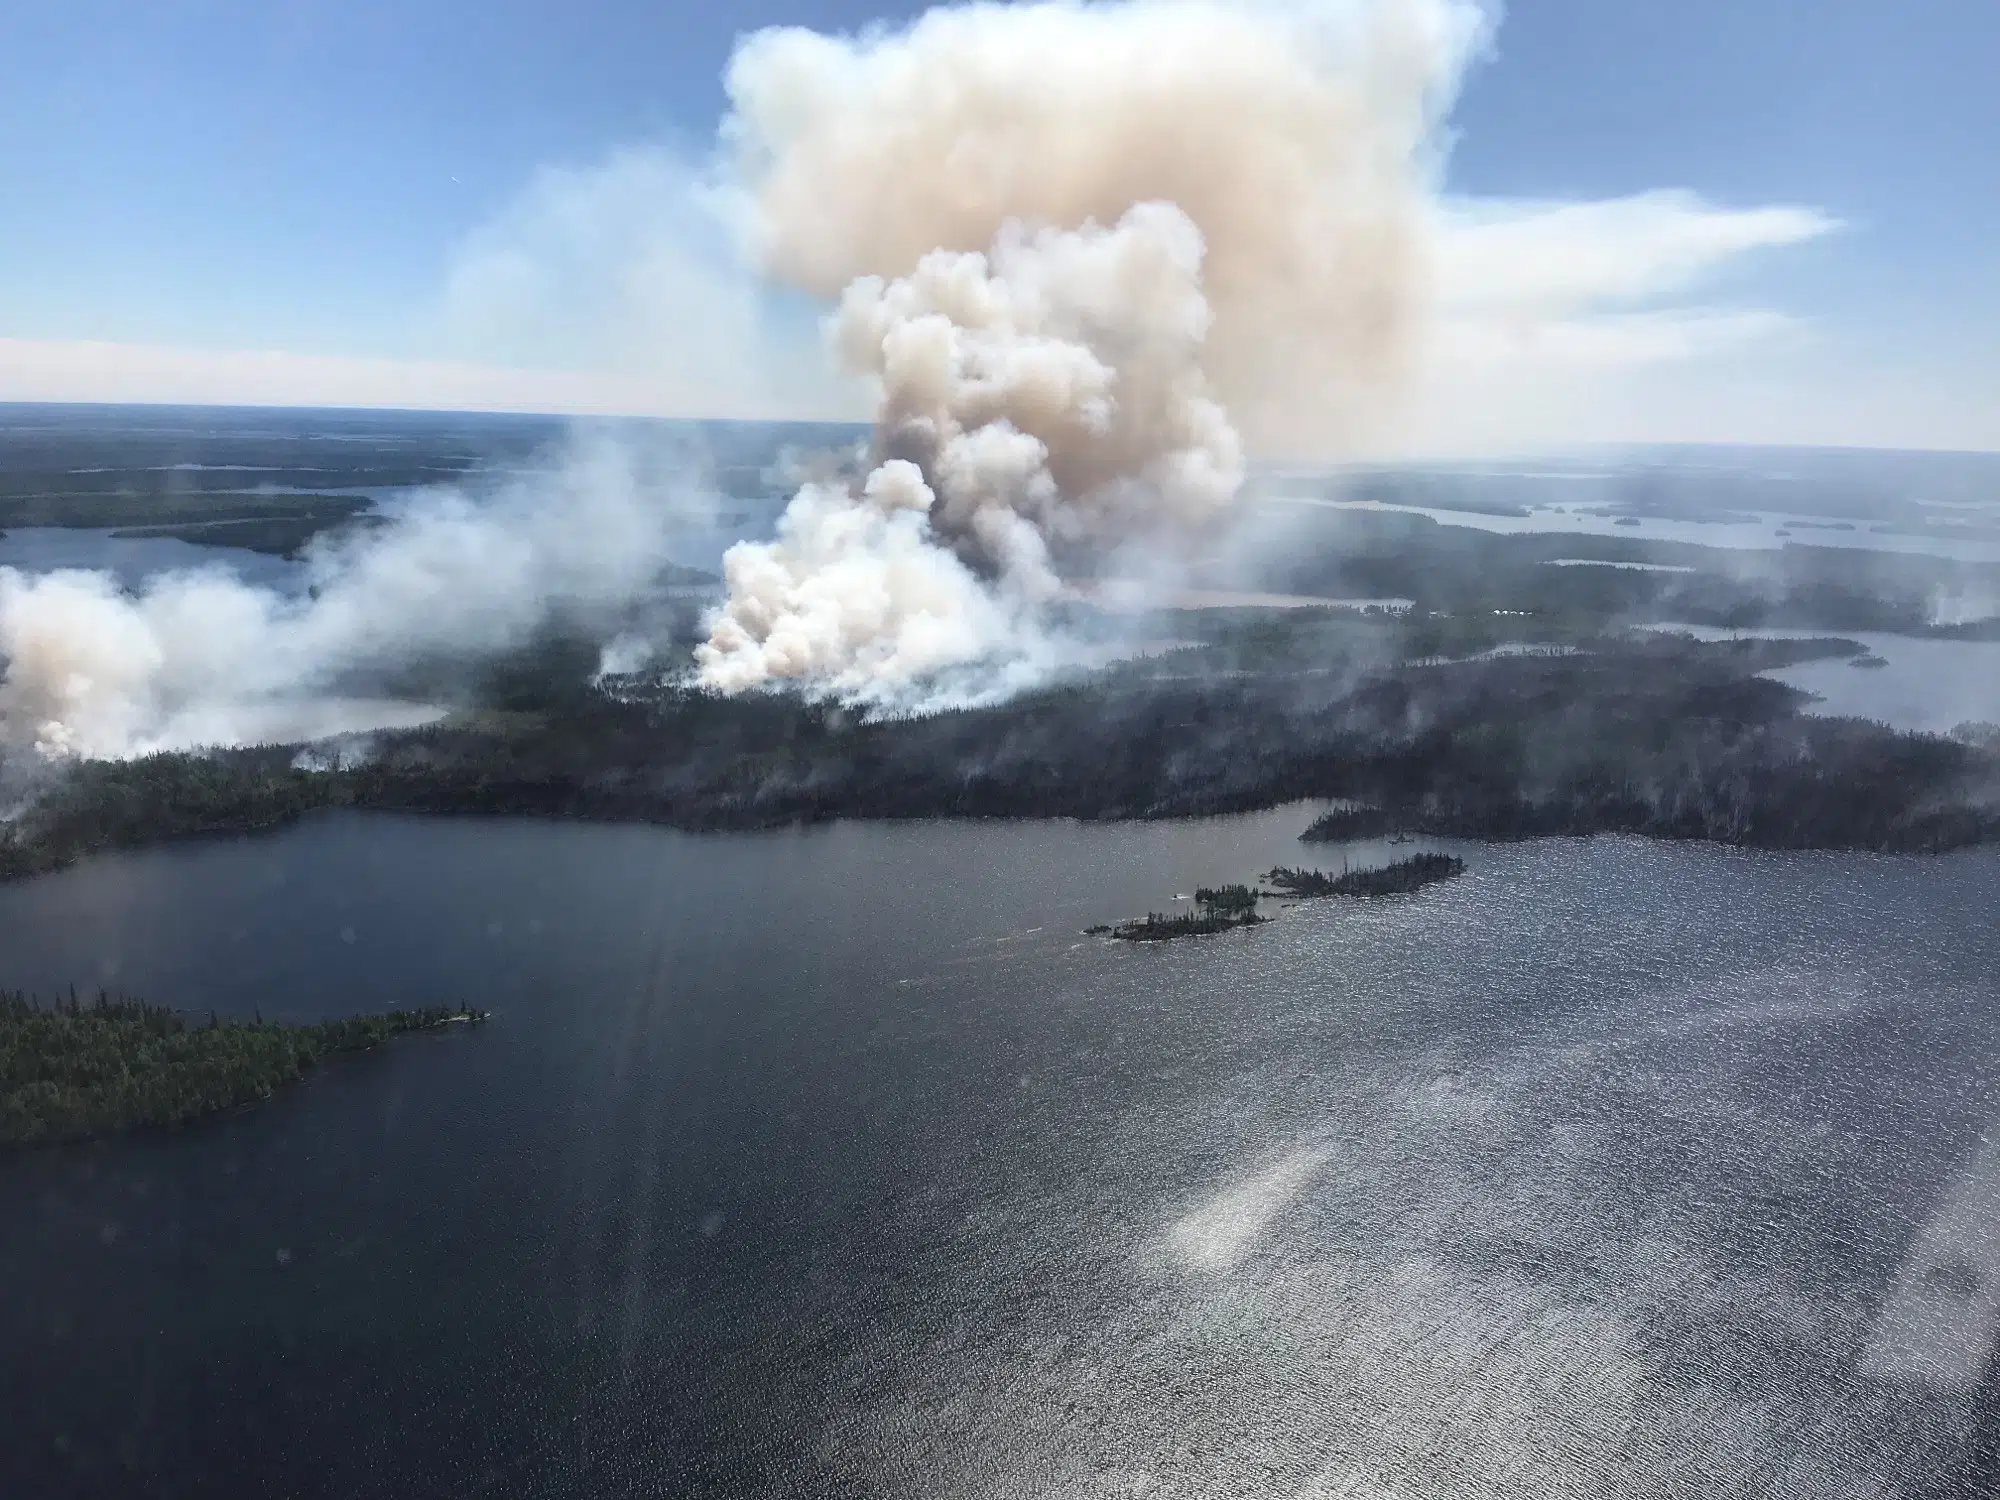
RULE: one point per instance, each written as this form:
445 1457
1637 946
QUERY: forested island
74 1070
1221 908
1229 900
1340 825
1399 878
1217 909
281 530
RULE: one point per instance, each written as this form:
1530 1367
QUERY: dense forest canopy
77 1069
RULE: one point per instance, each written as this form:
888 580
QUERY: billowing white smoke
202 658
1064 237
1047 396
1298 135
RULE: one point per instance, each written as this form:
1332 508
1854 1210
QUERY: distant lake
1754 531
836 1162
1933 685
1924 684
42 549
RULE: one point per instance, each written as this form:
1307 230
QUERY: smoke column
1048 396
1069 242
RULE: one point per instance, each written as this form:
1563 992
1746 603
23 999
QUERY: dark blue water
836 1162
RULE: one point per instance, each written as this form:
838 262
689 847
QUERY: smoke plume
201 658
1045 399
1298 135
1070 242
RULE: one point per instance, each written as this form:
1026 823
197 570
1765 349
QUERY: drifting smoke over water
202 658
1074 241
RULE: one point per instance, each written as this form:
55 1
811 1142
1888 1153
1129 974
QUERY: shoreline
1660 736
37 863
87 1071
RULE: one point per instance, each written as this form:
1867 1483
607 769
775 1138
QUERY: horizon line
1604 445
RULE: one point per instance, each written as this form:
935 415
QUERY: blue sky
297 175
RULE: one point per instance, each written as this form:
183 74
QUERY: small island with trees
74 1070
1340 824
1221 908
1216 910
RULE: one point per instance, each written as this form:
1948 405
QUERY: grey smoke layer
202 658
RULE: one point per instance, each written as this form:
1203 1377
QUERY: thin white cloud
1562 323
630 268
1501 347
614 288
90 370
1499 255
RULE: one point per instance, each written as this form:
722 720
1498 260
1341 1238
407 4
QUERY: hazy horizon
862 424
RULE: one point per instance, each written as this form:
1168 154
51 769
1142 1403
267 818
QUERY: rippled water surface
837 1163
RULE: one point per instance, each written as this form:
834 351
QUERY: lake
1923 684
1752 531
836 1162
133 561
1920 683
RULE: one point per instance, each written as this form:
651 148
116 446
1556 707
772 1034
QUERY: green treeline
1455 575
1405 875
122 804
76 1069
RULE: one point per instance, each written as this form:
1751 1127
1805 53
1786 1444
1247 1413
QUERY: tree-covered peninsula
1625 731
76 1069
